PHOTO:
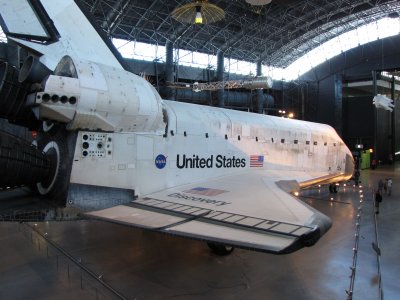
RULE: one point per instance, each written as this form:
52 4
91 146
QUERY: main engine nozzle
33 71
15 85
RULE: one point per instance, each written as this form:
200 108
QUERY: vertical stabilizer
54 29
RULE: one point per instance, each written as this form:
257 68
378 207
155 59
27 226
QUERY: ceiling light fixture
199 18
198 12
259 2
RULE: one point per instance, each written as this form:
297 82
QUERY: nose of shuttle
349 167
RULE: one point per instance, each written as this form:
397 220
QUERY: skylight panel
364 34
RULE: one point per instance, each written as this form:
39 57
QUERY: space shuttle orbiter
107 142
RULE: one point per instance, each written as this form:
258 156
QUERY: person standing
378 200
389 186
373 164
380 186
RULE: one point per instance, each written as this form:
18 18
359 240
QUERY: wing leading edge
247 211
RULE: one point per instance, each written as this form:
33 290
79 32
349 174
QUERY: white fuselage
129 138
201 142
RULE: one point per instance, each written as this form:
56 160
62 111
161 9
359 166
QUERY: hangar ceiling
275 34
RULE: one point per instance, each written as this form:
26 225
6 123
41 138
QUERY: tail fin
54 29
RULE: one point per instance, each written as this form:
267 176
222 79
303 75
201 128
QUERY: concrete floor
138 264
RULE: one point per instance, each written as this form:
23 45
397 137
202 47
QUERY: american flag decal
204 191
256 161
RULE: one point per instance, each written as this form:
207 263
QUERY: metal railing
377 249
375 246
353 268
77 261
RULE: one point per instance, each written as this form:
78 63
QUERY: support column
220 77
392 149
260 92
303 102
338 103
375 91
169 69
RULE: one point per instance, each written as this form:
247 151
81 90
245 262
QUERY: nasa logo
160 161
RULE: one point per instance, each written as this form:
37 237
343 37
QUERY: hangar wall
358 116
354 117
358 126
378 55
